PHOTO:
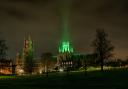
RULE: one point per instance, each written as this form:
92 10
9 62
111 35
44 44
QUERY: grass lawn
114 79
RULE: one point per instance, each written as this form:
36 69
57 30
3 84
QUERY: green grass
112 79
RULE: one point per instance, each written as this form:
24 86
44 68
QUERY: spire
28 46
65 45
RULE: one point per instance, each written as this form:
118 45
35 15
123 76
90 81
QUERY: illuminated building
64 58
65 47
6 66
28 50
67 57
66 51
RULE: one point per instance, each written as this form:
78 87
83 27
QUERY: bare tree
46 61
102 46
3 53
3 49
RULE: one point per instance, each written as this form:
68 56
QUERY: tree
29 63
46 61
102 46
3 49
28 55
3 53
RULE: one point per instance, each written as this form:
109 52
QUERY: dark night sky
42 20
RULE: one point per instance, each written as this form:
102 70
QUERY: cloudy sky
43 19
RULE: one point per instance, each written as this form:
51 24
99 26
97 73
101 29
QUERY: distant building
28 49
65 47
6 66
65 53
67 58
38 65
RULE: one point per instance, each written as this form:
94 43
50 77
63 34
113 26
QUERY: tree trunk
102 63
102 68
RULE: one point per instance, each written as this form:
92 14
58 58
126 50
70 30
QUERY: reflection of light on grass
99 68
93 68
7 77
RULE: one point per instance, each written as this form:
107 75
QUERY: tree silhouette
3 49
28 55
102 46
46 61
3 53
29 63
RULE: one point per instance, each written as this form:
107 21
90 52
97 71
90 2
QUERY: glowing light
61 70
21 71
41 71
65 24
65 47
5 71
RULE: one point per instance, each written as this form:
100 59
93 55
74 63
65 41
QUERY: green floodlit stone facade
65 47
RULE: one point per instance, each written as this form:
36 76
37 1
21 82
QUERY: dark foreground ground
114 79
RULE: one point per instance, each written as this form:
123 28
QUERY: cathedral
66 58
